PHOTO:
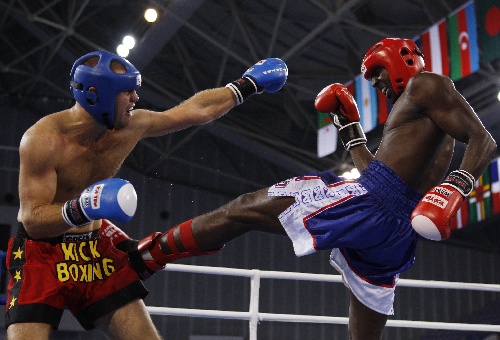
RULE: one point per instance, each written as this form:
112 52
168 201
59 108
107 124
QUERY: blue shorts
366 223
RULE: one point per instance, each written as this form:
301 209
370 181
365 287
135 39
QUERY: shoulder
426 86
42 138
426 82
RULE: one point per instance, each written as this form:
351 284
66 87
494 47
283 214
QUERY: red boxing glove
338 102
142 263
118 237
432 215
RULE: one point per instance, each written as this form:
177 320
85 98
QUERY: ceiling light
122 51
128 41
353 174
150 15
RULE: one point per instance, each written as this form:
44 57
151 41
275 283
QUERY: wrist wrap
460 180
73 213
243 88
352 134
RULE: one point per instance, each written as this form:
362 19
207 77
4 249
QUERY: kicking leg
250 212
208 233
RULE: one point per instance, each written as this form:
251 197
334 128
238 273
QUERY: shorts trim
379 298
90 314
36 312
312 196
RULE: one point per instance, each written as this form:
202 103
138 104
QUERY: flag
480 199
462 32
434 45
366 99
461 219
327 135
488 22
350 87
384 107
495 185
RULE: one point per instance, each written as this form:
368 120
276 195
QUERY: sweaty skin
67 151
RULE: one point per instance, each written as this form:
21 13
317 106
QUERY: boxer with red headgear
67 160
366 223
400 57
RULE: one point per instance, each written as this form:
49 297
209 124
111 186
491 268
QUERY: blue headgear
108 84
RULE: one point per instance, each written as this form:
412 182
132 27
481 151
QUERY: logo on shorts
282 184
82 261
77 237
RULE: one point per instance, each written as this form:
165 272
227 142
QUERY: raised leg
250 212
208 233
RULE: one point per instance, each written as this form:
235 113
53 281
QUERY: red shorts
82 272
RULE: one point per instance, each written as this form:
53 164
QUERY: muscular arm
450 112
201 108
361 156
39 214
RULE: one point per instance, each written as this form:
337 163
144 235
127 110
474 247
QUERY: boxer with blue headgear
69 198
106 84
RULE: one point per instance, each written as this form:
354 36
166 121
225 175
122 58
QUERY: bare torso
415 147
80 165
71 159
420 133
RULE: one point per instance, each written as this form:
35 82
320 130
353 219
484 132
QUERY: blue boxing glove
112 198
267 75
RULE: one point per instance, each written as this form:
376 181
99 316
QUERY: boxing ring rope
254 316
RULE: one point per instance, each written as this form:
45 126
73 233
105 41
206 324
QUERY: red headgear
400 57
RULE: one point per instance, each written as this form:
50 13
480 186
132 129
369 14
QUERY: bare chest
81 166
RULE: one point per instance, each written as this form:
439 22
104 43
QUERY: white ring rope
254 316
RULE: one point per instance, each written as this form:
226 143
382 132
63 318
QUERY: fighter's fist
266 75
337 98
112 198
269 74
338 102
431 217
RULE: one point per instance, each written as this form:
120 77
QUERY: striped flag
480 199
495 185
350 87
327 135
366 99
464 51
434 45
461 219
488 19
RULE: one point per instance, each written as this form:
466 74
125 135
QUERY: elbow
31 224
30 228
491 147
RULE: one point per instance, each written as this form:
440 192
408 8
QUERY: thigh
132 321
364 323
28 331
